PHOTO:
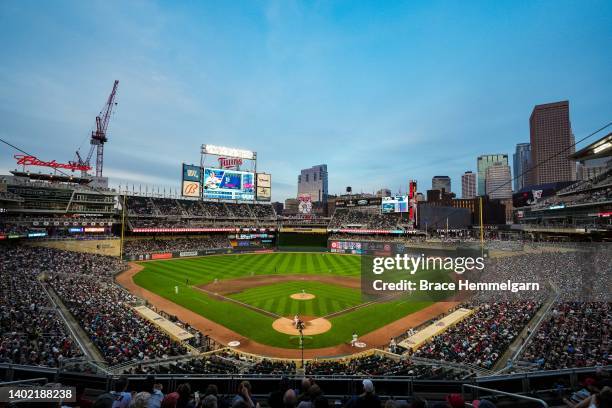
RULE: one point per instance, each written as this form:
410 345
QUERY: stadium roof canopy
52 177
598 149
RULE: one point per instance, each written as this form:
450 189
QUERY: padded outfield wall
302 239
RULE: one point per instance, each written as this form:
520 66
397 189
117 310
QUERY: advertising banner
166 255
309 230
191 189
192 177
191 172
305 205
264 187
359 202
396 204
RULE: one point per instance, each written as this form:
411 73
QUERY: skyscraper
441 183
468 185
313 181
521 162
497 181
483 163
551 143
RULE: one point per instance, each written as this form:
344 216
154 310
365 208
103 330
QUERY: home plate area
312 325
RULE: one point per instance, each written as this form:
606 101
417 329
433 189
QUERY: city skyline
357 88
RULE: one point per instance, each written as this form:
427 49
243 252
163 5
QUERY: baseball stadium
174 260
119 286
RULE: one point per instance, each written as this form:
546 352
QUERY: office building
291 206
468 185
521 162
313 181
498 182
383 192
552 142
483 163
442 183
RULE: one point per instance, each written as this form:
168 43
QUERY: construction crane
98 136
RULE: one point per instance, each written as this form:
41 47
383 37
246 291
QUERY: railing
457 366
497 392
43 380
519 352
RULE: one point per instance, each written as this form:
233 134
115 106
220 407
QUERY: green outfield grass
273 298
162 276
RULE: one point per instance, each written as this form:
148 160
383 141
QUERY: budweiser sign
226 163
24 160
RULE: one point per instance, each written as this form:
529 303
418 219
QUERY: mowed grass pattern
161 277
276 298
207 269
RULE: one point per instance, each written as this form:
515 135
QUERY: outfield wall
186 254
302 239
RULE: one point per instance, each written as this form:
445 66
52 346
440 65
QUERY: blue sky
382 92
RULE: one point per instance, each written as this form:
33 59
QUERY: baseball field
258 295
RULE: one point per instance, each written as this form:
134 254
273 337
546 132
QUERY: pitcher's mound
302 296
315 326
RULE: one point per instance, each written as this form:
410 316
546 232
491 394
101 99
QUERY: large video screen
395 204
228 184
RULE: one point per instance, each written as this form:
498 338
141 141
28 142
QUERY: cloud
124 177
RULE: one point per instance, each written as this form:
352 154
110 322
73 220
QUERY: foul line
359 306
255 309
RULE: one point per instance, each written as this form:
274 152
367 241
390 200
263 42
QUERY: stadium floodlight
602 147
228 152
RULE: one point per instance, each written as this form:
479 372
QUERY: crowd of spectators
210 364
7 228
481 338
157 206
167 206
30 324
409 239
219 362
345 218
308 393
147 246
137 205
602 180
227 362
31 330
161 222
575 334
378 365
266 366
595 190
103 311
